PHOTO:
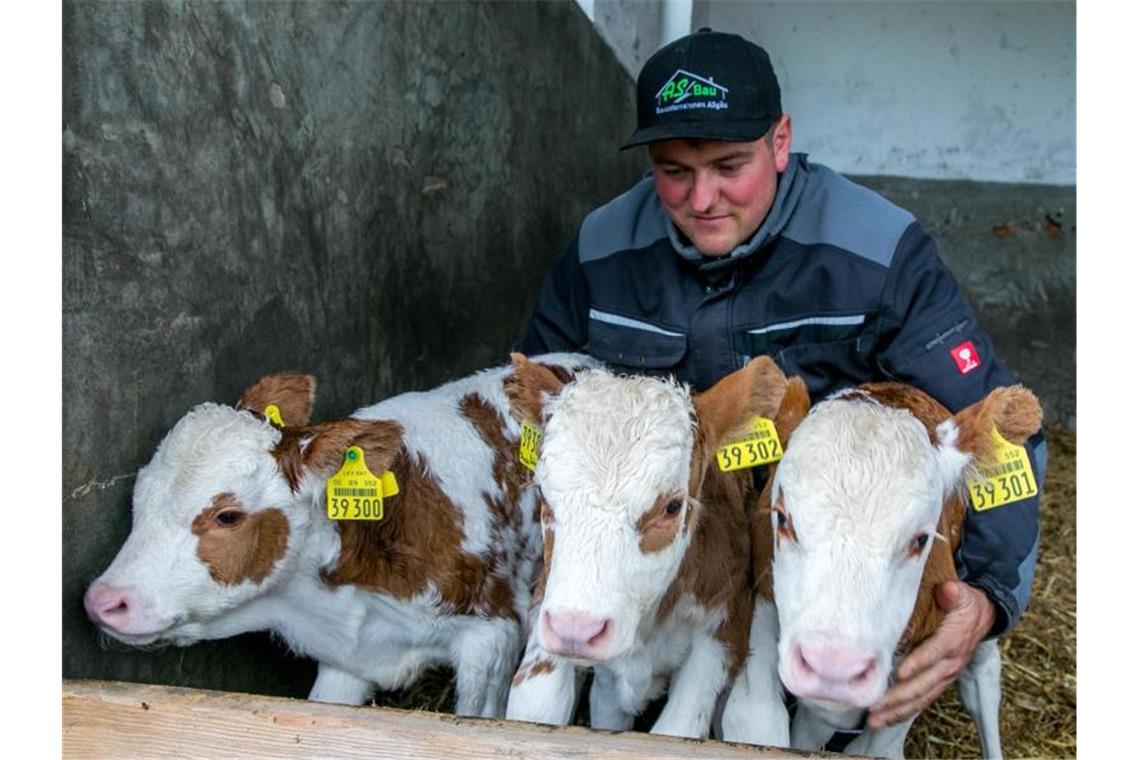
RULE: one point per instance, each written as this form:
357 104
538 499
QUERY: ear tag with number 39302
354 493
761 445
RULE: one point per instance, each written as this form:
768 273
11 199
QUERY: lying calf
646 566
866 512
233 531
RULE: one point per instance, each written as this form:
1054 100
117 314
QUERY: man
736 247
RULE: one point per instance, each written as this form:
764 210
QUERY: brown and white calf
646 575
230 534
859 525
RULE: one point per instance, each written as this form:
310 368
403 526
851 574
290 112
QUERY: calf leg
755 711
884 742
979 688
484 654
694 691
340 687
605 707
544 689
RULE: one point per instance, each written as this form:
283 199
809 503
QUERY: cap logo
686 90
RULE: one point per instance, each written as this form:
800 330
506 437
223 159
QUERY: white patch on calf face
612 447
213 450
858 482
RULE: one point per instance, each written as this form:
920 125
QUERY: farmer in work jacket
733 247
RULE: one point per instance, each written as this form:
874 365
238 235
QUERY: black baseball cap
709 85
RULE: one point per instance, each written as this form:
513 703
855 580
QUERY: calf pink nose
576 627
839 664
107 605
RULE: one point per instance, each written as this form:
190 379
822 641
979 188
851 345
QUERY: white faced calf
866 512
646 572
230 534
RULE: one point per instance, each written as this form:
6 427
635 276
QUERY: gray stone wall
368 191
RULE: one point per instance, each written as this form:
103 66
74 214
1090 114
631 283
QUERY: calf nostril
601 634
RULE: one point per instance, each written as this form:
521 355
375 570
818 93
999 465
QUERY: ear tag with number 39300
354 493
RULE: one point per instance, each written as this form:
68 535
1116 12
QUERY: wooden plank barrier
111 719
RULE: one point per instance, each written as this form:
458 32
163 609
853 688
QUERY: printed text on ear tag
1009 479
354 493
530 438
760 446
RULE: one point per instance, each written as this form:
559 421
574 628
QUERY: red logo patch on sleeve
966 357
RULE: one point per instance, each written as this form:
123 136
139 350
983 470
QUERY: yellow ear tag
760 446
530 438
1009 479
273 414
354 493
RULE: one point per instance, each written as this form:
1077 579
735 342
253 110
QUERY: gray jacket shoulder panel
835 211
634 219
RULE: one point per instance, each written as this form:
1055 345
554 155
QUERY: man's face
717 192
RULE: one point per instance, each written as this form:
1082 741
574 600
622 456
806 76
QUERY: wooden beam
110 719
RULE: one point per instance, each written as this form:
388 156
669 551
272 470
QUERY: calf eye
229 517
673 506
918 543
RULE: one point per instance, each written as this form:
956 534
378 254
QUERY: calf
231 534
859 526
646 573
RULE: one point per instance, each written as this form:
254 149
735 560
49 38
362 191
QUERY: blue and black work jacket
838 285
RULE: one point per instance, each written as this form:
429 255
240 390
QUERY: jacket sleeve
561 312
930 338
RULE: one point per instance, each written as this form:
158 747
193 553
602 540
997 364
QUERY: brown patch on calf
418 544
927 615
530 670
245 550
527 386
291 392
657 527
716 569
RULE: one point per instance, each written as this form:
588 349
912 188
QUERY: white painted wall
943 89
949 90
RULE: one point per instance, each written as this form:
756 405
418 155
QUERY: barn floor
1039 700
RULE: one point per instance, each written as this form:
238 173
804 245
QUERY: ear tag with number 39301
354 493
1007 480
761 445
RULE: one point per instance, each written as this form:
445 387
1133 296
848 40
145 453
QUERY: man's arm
932 340
559 320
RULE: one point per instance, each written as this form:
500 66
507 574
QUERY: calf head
856 504
621 470
222 511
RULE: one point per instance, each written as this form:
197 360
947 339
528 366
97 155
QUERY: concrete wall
917 88
366 191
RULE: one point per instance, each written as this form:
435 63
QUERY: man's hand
934 664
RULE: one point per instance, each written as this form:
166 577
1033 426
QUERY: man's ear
964 439
320 450
529 386
292 393
725 410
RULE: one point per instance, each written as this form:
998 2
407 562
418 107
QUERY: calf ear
725 410
793 408
319 450
292 393
965 437
529 386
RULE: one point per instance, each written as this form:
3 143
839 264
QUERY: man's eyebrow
733 156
